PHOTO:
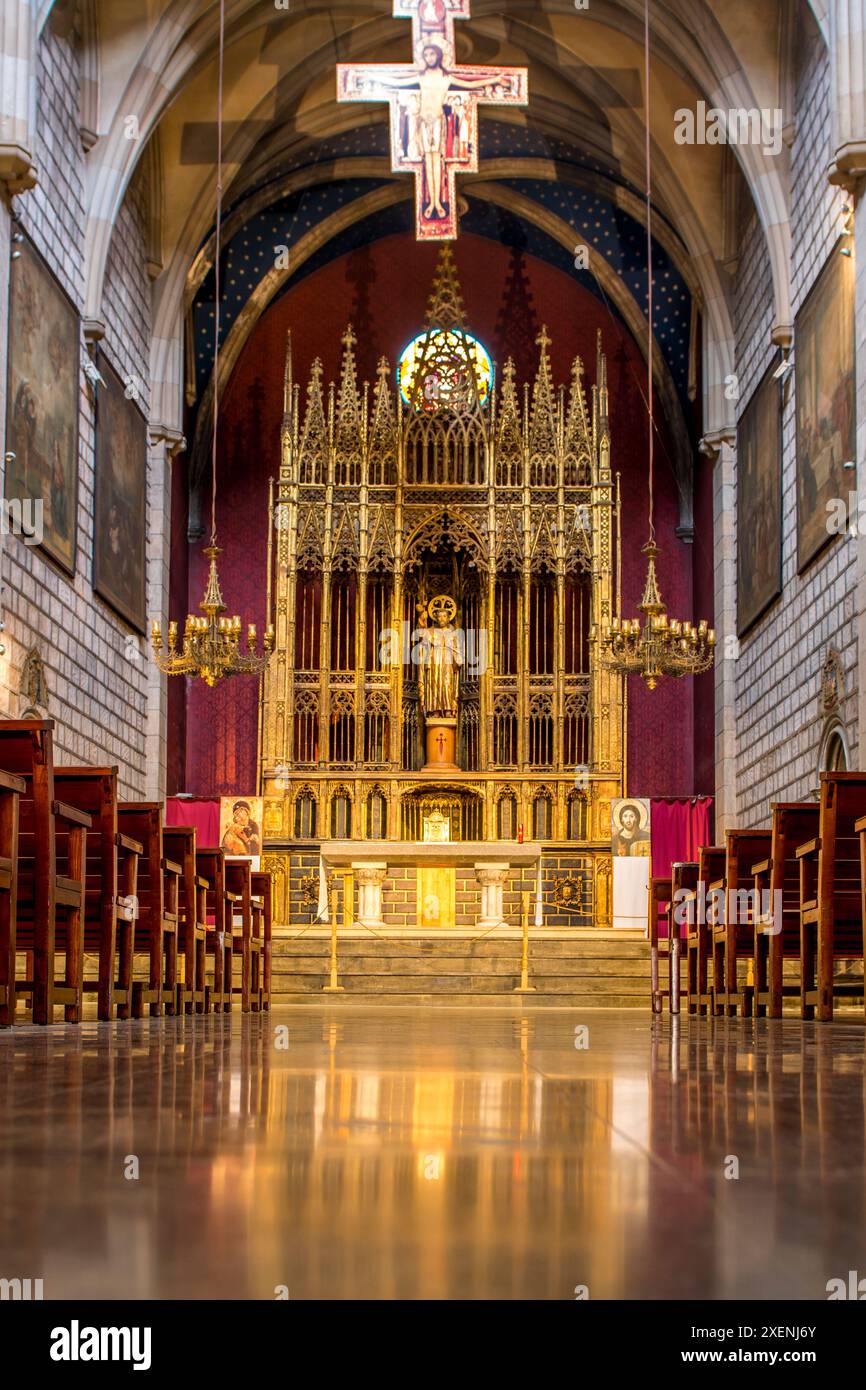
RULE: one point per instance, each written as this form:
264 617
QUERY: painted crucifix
434 108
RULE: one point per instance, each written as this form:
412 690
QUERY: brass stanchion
525 987
333 987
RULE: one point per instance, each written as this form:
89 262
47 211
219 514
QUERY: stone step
417 947
584 1002
605 970
540 964
461 983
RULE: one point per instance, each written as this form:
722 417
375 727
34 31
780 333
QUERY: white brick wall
97 678
778 681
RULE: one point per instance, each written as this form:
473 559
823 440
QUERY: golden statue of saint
441 660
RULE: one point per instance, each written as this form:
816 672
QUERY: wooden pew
734 938
831 923
263 887
684 878
711 869
248 918
179 844
111 883
219 912
793 823
11 789
51 871
659 897
154 935
860 827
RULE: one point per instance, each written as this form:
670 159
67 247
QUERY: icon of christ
434 109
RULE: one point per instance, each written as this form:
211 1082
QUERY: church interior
432 593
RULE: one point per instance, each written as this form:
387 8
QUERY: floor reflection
388 1153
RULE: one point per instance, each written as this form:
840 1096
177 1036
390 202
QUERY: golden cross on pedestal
434 108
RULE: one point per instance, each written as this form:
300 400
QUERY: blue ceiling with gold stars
596 220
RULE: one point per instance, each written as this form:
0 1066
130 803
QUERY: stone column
721 447
370 878
492 879
17 94
854 605
848 90
165 442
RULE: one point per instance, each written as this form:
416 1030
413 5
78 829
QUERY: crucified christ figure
435 82
434 132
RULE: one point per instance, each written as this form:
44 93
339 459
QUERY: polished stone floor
433 1153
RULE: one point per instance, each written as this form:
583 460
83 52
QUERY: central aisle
376 1152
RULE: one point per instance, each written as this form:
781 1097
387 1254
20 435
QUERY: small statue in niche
33 687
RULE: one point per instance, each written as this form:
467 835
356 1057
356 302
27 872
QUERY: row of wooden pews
794 892
174 928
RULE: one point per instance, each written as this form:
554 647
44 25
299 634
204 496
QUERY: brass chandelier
660 646
211 646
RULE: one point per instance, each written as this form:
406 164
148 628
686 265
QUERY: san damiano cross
434 108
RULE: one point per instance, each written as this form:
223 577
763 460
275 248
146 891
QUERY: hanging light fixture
211 646
659 646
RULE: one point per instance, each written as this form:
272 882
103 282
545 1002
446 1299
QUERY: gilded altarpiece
508 505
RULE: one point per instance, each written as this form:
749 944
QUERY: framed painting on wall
42 405
759 502
824 340
120 503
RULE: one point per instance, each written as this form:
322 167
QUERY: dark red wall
383 290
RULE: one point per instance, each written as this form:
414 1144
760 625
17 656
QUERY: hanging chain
217 248
649 263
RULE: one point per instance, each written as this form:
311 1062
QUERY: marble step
384 982
382 986
540 963
396 948
585 1002
609 970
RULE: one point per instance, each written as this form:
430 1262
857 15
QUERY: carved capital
17 170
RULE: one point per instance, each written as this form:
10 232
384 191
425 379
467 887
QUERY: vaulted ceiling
304 172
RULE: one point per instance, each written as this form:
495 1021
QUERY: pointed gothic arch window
378 621
341 815
377 815
541 731
377 728
542 816
506 638
505 730
506 816
307 728
306 808
542 625
343 727
577 816
343 621
576 729
308 620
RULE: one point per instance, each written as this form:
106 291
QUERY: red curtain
680 826
203 814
